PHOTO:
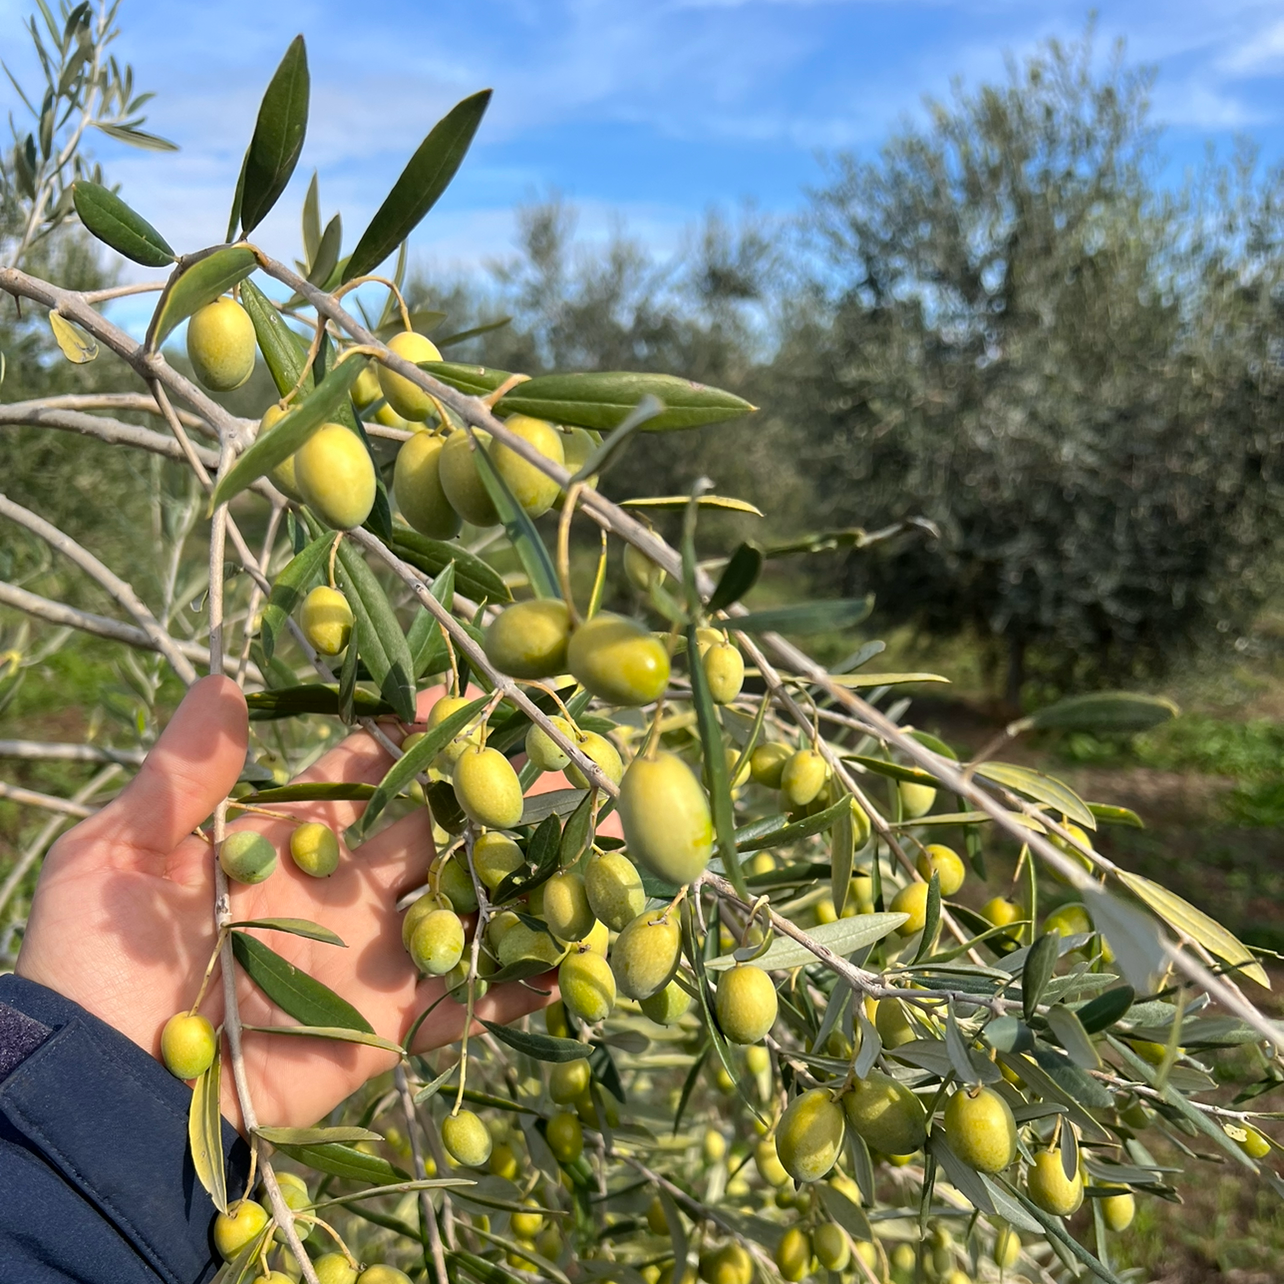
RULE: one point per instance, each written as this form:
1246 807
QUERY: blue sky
655 109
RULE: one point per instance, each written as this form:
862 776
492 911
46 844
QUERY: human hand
123 917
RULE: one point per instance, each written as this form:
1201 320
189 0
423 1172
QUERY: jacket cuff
113 1122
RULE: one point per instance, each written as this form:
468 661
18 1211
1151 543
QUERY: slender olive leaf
860 681
1132 935
425 177
135 137
394 1224
1103 711
383 645
541 862
313 791
807 617
1106 1009
841 1209
1041 788
1194 924
1073 1037
347 1162
311 697
234 214
283 351
430 1090
293 990
543 1047
348 683
1054 1230
1077 1086
715 766
278 136
931 918
1040 963
601 399
473 576
205 1134
771 832
1111 815
312 220
118 226
396 1188
738 576
843 937
663 502
688 1085
518 525
327 254
315 1136
601 456
881 767
842 853
78 347
296 927
289 589
462 336
962 1176
485 1199
960 1057
197 280
578 834
335 1033
424 637
417 758
945 818
561 802
677 1228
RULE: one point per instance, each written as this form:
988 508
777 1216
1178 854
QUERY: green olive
416 483
724 670
803 777
247 857
326 620
334 1268
221 344
810 1135
568 1080
886 1114
645 955
911 900
282 475
597 749
946 863
408 399
315 849
188 1045
487 788
767 763
470 737
746 1003
793 1254
466 1138
916 799
566 907
618 660
614 890
1049 1187
666 818
533 489
437 943
541 750
520 942
565 1137
667 1006
495 856
587 985
980 1129
528 639
336 476
833 1248
462 482
239 1226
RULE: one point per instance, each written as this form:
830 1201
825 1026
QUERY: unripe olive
803 777
239 1226
746 1003
1255 1144
911 900
916 799
315 849
565 1137
282 475
334 1268
758 1059
1080 837
522 942
656 1219
527 1225
730 1264
528 639
382 1274
568 1080
277 1277
188 1045
597 941
487 788
892 1023
1068 920
946 863
466 1138
767 1161
666 818
1119 1210
541 749
713 1148
220 344
597 749
904 1259
566 907
724 670
247 857
793 1254
809 1137
619 660
614 890
454 881
417 911
326 620
640 570
406 398
767 764
416 483
1049 1187
336 476
587 985
366 389
471 736
1007 1248
667 1006
495 856
533 489
980 1129
645 955
832 1247
295 1196
503 1162
437 943
462 482
1000 911
499 927
889 1117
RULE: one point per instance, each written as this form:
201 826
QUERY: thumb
189 771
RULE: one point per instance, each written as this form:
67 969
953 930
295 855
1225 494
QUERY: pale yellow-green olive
416 484
406 398
336 476
221 345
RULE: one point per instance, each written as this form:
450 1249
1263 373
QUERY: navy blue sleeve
96 1182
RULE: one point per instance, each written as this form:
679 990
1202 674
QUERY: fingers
189 771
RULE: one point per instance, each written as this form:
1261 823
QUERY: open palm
122 920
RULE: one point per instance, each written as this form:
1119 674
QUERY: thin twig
426 1209
49 802
51 751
